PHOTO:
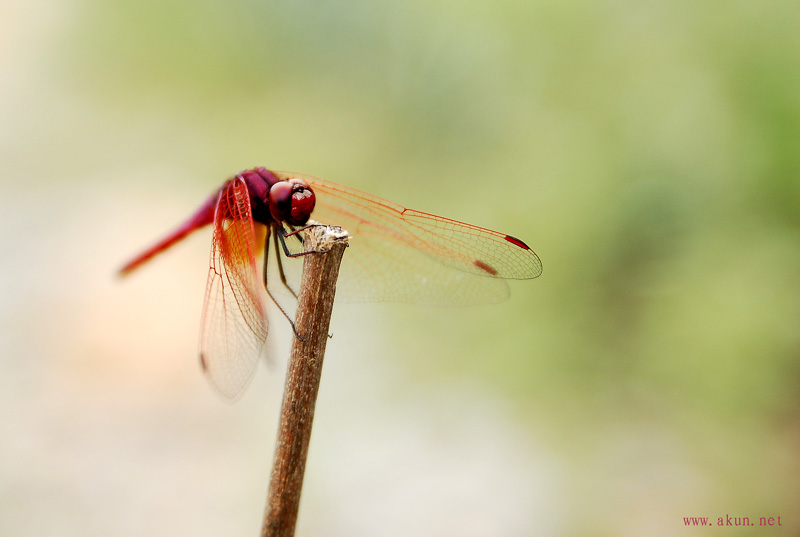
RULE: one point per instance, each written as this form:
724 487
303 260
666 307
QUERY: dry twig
314 308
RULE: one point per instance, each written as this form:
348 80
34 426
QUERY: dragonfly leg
283 279
283 234
266 255
280 266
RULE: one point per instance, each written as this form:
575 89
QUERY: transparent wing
234 324
402 255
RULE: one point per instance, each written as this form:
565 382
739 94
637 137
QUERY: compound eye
291 201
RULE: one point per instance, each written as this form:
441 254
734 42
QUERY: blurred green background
649 152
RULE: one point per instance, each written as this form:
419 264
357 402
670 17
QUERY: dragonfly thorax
275 200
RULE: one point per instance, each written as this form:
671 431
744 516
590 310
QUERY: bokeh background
648 151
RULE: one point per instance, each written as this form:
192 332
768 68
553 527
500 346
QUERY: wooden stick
314 307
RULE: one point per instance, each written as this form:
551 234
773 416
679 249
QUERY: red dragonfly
396 254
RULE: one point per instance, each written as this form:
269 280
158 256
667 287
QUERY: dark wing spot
483 266
203 363
517 242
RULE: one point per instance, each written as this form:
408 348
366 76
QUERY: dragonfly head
291 201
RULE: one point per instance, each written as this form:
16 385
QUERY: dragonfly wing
403 255
234 325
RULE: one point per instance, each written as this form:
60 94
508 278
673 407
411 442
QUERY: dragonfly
396 254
